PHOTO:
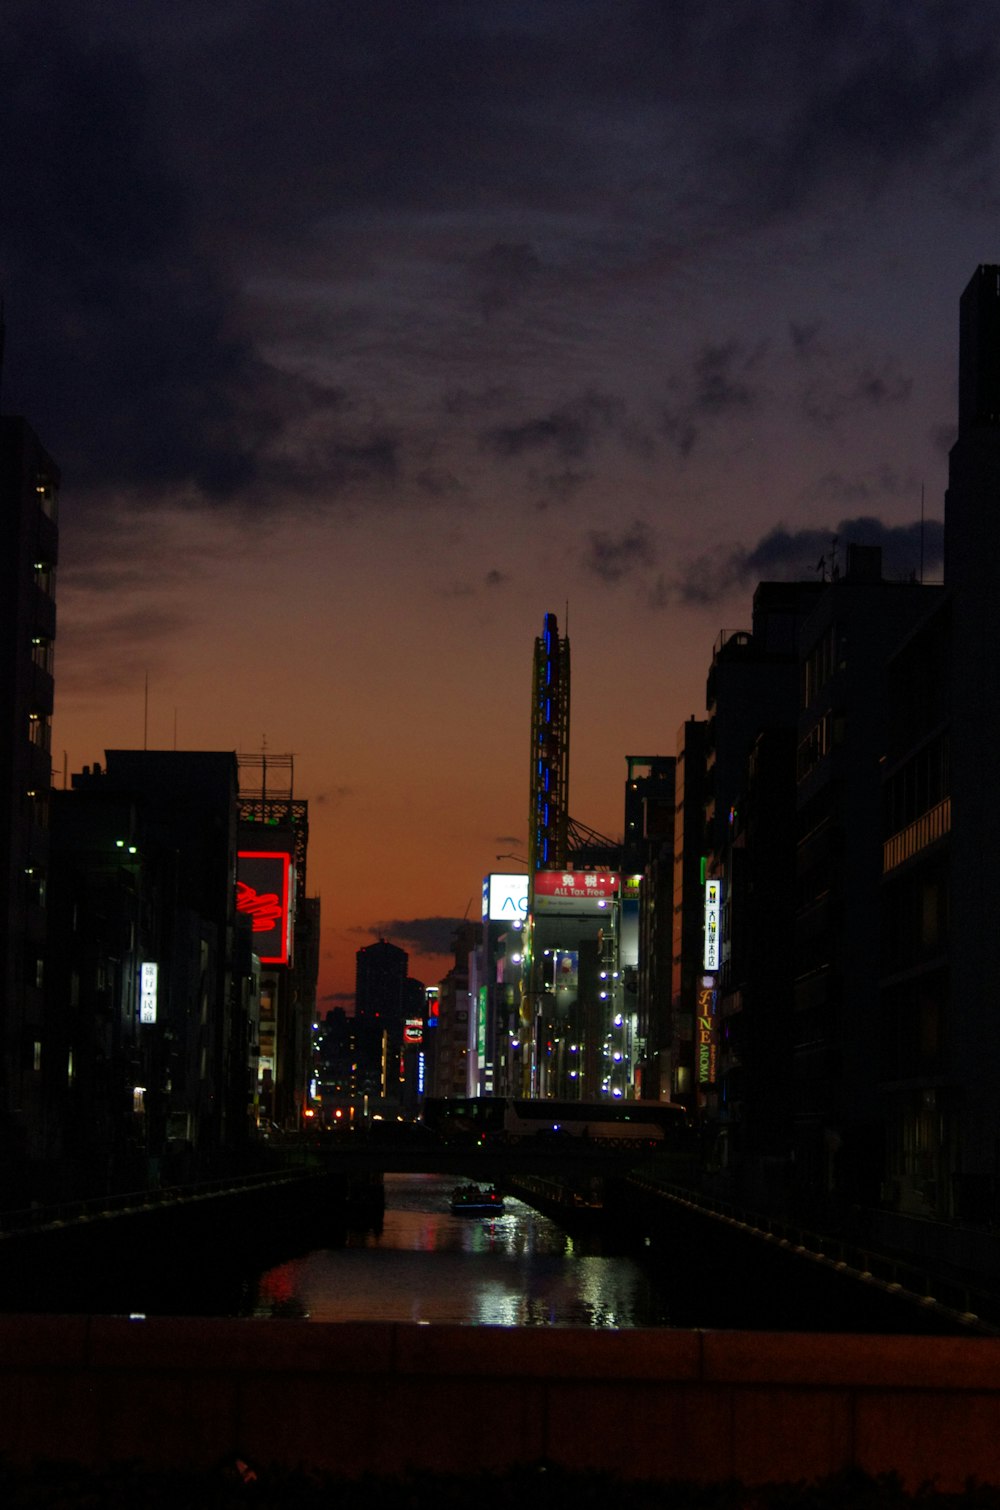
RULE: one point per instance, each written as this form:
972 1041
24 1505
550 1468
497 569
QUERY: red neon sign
262 894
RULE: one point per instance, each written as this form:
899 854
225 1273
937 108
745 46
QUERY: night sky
365 333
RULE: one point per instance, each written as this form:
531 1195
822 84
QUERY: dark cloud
805 338
790 555
439 483
502 274
569 432
722 382
782 554
827 401
612 557
943 437
335 797
118 650
126 337
854 490
459 403
173 177
559 487
427 937
867 91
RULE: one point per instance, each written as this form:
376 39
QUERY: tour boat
472 1200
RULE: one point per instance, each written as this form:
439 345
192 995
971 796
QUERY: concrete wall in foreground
386 1399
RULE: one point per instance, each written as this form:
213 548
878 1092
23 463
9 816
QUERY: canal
420 1263
395 1252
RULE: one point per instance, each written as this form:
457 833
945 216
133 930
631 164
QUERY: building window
40 731
42 652
45 494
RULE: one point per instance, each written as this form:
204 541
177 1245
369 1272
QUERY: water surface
424 1265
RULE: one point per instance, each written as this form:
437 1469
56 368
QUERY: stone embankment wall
354 1399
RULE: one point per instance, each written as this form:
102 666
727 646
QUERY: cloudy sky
366 333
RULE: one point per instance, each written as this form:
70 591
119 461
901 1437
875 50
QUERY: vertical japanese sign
148 973
713 909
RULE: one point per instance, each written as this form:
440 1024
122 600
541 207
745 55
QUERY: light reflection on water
426 1265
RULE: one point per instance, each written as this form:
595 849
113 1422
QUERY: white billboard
505 898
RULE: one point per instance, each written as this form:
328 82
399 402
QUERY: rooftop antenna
834 568
145 714
921 534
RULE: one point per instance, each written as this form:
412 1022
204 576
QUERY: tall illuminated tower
548 819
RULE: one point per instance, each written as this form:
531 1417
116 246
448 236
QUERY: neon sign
263 895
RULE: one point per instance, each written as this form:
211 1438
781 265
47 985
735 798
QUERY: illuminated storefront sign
263 893
713 908
571 891
628 927
505 898
148 974
413 1032
481 1028
706 1033
566 980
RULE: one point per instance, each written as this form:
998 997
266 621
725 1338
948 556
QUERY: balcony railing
925 830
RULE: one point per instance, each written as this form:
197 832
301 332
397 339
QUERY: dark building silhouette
751 697
336 1067
379 1012
846 643
940 1031
647 892
147 849
29 484
674 955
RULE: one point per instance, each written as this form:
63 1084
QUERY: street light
519 858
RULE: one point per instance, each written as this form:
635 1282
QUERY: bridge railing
930 1287
40 1218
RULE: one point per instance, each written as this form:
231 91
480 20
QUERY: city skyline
362 341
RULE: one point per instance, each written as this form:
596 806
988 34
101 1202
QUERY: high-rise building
29 484
845 645
940 1038
380 1002
672 962
645 912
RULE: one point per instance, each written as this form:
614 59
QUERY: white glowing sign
147 992
713 907
505 898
